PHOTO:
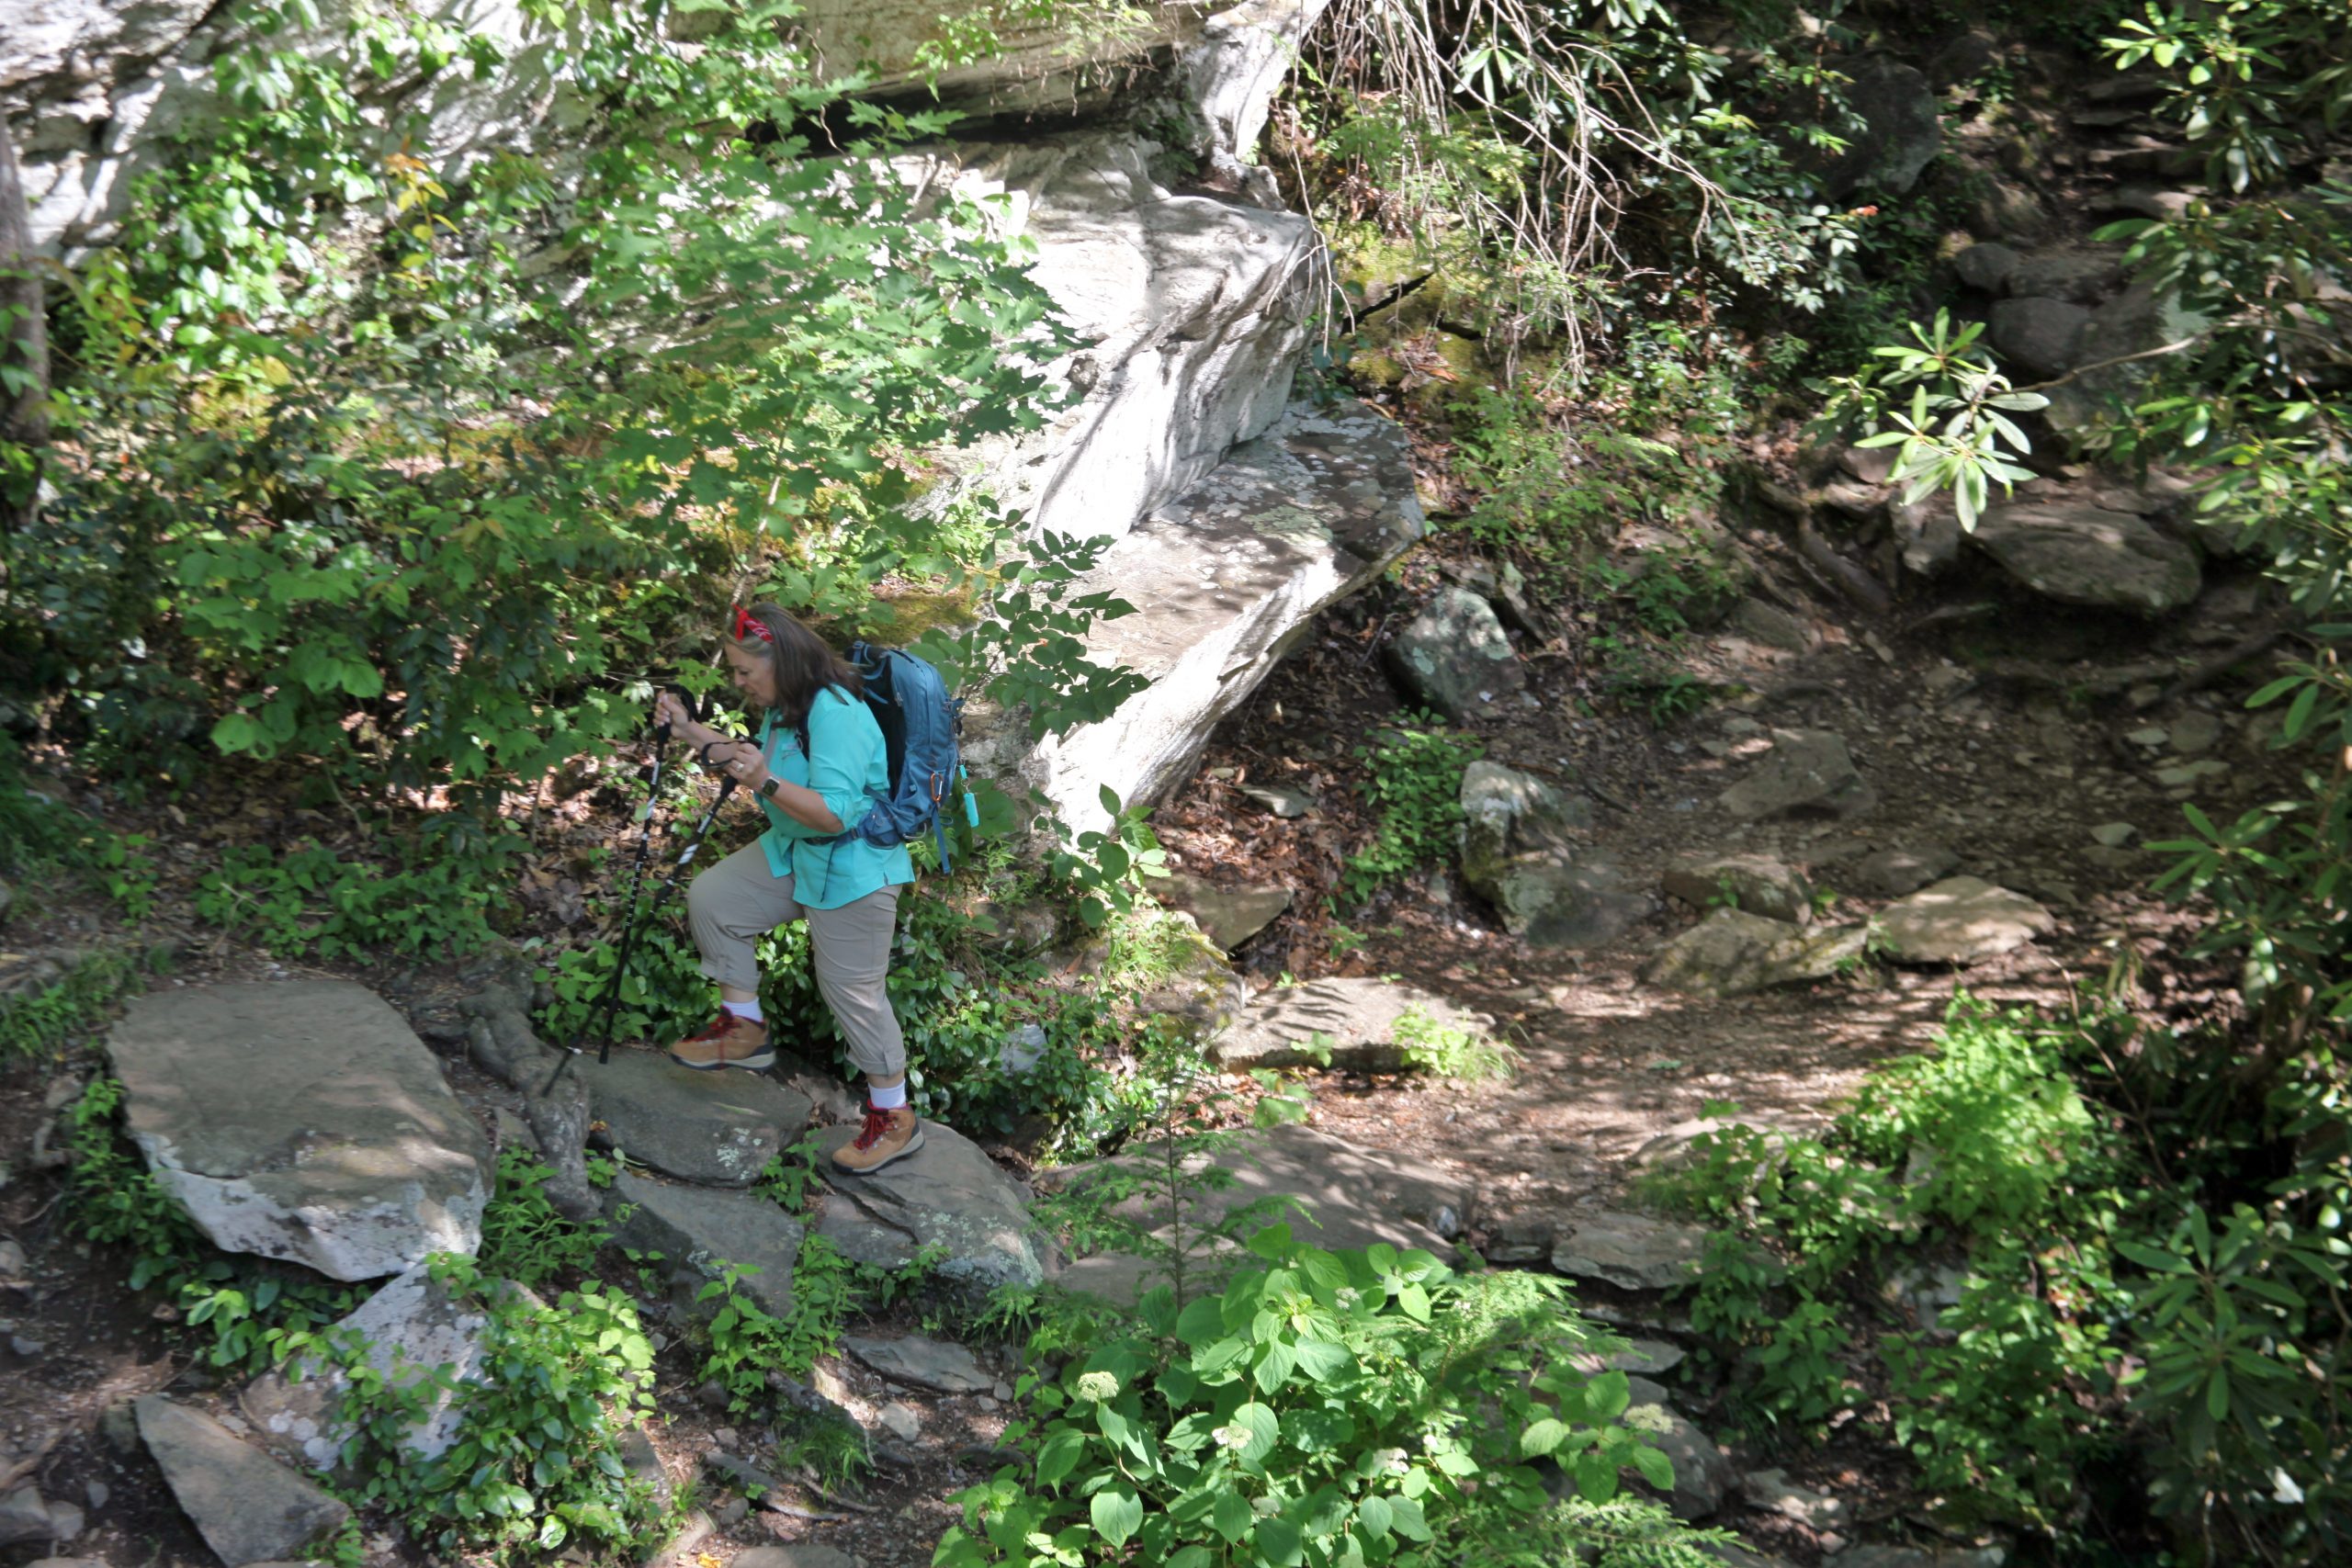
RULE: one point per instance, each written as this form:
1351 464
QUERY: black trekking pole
611 1003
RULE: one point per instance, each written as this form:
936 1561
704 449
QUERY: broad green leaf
1059 1455
1118 1513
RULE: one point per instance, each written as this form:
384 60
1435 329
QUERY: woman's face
753 673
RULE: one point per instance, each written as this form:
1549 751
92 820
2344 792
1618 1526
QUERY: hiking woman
802 868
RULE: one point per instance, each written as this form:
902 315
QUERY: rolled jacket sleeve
843 745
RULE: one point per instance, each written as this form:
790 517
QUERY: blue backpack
920 723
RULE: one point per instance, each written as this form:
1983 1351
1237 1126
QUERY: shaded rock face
2082 554
301 1121
697 1229
948 1194
102 87
248 1507
1961 920
1758 883
1454 656
1507 813
1345 1196
1702 1476
1226 579
1900 131
2043 335
1551 901
1354 1019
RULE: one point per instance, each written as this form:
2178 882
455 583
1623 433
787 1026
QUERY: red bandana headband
747 626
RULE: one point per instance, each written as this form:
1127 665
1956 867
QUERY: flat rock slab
2081 554
1354 1017
719 1129
1757 884
695 1229
410 1328
248 1508
1807 773
1341 1195
301 1120
917 1362
1228 917
946 1194
1634 1252
1959 921
1733 953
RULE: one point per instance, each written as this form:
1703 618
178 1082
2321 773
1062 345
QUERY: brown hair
802 662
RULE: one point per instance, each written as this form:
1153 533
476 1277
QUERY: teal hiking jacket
849 769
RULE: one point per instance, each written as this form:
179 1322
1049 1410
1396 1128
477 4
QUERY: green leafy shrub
523 1237
35 1021
1413 785
537 1465
1369 1405
309 899
1447 1052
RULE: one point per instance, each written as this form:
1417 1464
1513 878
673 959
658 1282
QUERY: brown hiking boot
729 1042
887 1136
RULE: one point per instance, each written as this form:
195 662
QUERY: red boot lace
877 1122
717 1027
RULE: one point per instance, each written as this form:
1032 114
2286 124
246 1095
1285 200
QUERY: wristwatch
768 790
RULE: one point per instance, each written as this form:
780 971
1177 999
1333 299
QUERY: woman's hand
669 711
742 762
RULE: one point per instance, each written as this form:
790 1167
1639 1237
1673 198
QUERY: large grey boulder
1454 656
1331 1193
1347 1022
248 1508
1900 134
719 1129
1703 1477
1226 579
302 1121
1807 773
2081 554
410 1330
1959 921
2045 336
1733 953
697 1229
946 1195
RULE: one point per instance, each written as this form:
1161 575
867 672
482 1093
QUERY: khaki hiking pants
739 900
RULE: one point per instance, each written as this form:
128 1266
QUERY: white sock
887 1098
750 1009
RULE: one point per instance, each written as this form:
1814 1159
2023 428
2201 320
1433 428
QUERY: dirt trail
2012 778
